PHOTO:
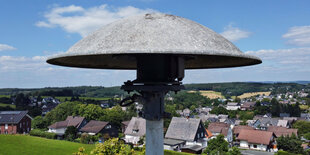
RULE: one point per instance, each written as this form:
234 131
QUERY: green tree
290 144
71 133
307 136
115 115
217 145
219 110
90 111
234 151
39 123
302 126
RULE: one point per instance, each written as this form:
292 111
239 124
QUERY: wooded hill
227 89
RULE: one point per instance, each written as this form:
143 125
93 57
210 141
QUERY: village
189 130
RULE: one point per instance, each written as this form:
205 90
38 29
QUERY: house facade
257 140
135 130
60 127
233 106
185 133
15 122
96 127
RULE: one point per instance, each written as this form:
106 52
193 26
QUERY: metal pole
154 137
153 113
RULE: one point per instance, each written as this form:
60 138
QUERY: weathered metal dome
116 45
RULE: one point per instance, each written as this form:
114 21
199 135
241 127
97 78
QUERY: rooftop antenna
160 47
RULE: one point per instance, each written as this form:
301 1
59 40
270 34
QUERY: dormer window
135 130
108 127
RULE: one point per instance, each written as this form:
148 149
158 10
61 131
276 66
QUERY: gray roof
267 120
173 142
11 117
138 124
153 34
192 147
183 128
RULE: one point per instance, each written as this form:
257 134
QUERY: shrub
39 133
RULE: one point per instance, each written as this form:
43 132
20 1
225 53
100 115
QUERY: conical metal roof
115 45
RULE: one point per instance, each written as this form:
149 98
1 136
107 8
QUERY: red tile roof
238 128
94 126
217 127
282 131
255 136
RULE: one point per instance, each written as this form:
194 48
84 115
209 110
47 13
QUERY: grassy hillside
29 145
10 105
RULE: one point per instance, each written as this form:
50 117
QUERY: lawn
10 105
304 107
29 145
8 96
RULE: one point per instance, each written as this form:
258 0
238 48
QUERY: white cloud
30 72
298 35
76 19
234 33
4 47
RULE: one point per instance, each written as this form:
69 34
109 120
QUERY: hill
226 89
29 145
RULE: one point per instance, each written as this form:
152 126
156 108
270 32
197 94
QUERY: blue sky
277 31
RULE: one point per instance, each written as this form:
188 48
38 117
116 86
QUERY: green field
10 105
29 145
8 96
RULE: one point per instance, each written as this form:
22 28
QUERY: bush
39 133
281 152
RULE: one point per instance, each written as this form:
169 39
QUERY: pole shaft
154 137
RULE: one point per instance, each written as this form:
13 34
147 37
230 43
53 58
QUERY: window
255 146
20 125
135 130
197 135
6 126
202 134
108 127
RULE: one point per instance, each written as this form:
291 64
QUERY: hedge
39 133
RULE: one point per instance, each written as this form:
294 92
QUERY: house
60 127
135 130
247 106
221 128
283 123
282 131
96 127
256 140
238 128
14 122
233 106
305 116
264 122
189 130
124 125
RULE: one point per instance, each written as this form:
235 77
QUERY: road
251 152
